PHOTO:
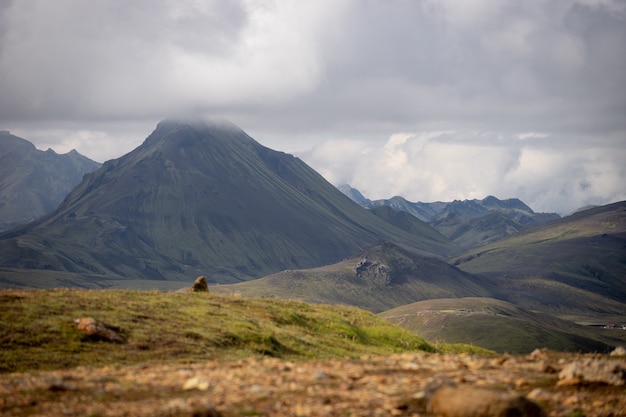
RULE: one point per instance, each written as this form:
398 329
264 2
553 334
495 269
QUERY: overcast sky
431 100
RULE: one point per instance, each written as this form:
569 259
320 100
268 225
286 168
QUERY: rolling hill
199 198
381 277
33 182
499 326
575 266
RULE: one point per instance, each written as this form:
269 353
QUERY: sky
432 100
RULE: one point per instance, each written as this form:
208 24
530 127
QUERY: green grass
37 329
497 325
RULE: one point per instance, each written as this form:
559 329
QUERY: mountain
200 198
381 277
498 325
575 266
468 223
34 182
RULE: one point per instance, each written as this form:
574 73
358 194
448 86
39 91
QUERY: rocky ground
542 383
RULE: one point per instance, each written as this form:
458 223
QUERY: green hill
500 326
381 277
37 329
572 267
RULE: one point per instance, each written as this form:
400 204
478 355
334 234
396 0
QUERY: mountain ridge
465 222
34 182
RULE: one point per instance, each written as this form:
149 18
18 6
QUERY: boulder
468 401
593 371
98 330
199 285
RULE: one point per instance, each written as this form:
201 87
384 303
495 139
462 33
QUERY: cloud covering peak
530 94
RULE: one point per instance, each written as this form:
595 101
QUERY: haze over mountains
34 182
204 198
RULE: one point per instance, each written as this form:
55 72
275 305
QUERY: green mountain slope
500 326
576 265
381 277
201 198
34 182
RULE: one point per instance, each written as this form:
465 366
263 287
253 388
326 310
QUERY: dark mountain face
34 182
201 198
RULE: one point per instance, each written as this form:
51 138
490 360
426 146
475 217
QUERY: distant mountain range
33 182
468 223
201 198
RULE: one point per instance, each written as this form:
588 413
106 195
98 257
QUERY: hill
33 182
199 354
500 326
37 329
573 267
381 277
200 198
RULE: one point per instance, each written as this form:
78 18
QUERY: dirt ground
397 385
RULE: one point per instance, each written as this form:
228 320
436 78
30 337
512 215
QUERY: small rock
594 371
322 376
196 382
186 408
98 330
619 351
199 285
538 354
539 395
466 401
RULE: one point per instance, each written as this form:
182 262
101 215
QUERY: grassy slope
396 277
37 330
499 326
573 266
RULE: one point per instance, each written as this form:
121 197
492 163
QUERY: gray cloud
331 80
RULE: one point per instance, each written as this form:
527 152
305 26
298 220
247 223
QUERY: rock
594 371
538 354
199 285
619 351
539 395
467 401
97 330
196 382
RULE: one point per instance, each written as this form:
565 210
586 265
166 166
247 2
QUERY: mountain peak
196 123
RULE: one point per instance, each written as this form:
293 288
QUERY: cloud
545 172
337 78
119 59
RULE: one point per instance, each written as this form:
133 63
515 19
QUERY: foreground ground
391 385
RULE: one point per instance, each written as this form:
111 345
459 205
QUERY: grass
37 329
497 325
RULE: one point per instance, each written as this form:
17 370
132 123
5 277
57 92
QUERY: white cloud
443 166
299 75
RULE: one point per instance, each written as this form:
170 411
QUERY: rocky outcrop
199 285
97 330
